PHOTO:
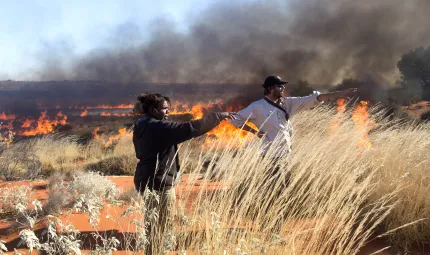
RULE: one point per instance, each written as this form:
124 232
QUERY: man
272 115
155 141
273 112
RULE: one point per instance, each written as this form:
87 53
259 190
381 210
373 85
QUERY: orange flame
227 134
4 116
27 123
197 111
84 113
120 106
7 126
46 126
341 105
61 118
224 132
340 110
111 139
363 124
108 114
361 120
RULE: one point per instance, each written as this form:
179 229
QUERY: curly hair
145 102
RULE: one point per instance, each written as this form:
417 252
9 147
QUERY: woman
155 141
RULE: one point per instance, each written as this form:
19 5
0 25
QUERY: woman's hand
227 115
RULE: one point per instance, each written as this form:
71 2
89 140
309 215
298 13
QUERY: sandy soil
113 224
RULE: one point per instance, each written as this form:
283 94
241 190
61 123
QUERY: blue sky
29 27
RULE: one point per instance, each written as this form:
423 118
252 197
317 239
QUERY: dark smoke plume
322 41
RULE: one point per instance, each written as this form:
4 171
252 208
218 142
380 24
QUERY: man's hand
338 94
260 134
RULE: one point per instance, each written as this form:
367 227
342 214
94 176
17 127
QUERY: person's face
162 111
278 91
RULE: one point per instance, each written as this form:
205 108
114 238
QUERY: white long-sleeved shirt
272 120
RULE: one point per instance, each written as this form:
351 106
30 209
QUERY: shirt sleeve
242 116
296 104
170 133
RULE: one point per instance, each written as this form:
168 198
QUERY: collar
287 116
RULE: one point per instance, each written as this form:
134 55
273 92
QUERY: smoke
322 41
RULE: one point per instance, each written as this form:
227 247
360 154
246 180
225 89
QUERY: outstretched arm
240 118
170 133
337 94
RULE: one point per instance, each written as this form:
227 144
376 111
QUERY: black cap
273 80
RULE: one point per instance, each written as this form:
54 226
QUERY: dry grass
339 196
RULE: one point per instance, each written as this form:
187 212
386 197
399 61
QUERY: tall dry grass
340 194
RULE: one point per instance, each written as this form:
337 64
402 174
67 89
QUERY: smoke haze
322 41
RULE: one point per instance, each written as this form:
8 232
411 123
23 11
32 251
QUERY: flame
341 105
197 111
61 118
225 131
120 106
108 114
84 113
361 120
179 108
111 139
4 116
46 126
27 123
227 134
341 108
362 123
7 125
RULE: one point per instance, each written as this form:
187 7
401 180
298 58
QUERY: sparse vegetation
340 194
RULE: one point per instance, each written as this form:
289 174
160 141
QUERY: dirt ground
114 224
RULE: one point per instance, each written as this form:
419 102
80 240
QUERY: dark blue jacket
155 142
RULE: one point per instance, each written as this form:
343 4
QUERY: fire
84 113
340 111
6 126
120 106
341 105
4 116
361 120
197 111
45 125
362 123
61 118
226 132
108 114
27 123
111 139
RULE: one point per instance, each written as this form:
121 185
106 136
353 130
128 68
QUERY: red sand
114 223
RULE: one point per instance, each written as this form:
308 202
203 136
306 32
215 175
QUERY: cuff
315 94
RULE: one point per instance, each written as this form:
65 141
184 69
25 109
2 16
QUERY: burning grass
340 194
